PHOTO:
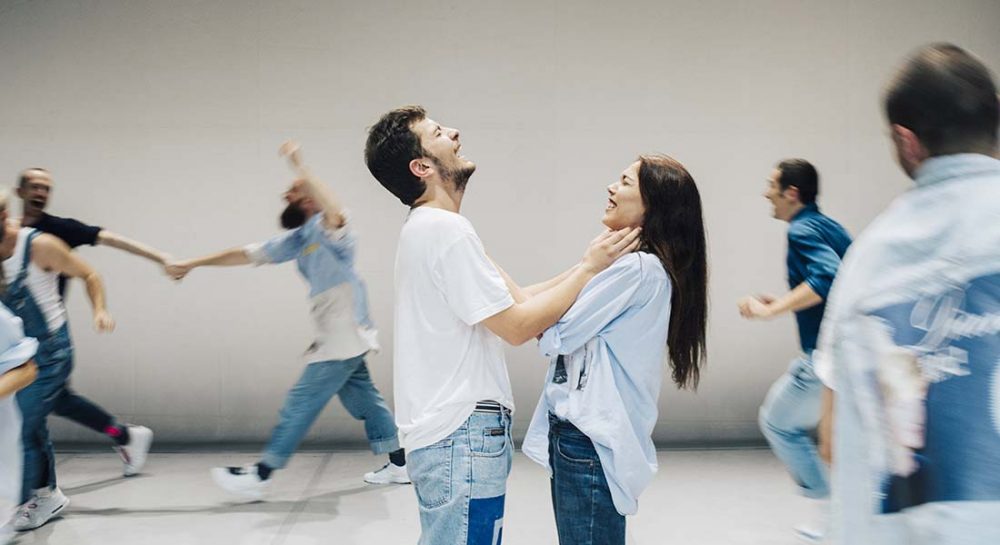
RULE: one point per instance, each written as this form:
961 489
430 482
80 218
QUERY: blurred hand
609 246
103 322
766 298
177 269
290 150
753 308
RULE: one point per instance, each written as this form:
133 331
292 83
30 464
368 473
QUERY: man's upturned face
442 146
35 192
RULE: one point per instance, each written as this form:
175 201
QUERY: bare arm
535 289
764 307
522 294
516 291
226 258
526 320
826 426
108 238
333 211
52 254
16 379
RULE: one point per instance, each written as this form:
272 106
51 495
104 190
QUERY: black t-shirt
73 232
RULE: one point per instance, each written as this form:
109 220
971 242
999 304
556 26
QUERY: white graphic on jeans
497 529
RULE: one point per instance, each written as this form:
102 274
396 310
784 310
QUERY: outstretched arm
535 289
52 254
526 320
114 240
765 306
226 258
333 211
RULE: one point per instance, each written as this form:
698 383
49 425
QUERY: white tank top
43 285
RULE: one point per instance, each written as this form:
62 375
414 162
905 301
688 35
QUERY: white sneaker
243 481
389 474
40 509
809 533
815 530
134 453
6 534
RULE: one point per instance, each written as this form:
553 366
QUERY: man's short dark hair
947 97
24 178
800 174
391 146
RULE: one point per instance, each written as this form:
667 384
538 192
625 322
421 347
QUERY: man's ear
911 149
791 192
421 167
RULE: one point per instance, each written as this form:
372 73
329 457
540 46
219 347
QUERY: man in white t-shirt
452 393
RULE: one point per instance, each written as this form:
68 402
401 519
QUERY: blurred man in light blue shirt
911 338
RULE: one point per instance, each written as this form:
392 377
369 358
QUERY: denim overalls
55 361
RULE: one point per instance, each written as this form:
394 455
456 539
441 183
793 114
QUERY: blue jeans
318 384
788 417
36 402
581 499
461 482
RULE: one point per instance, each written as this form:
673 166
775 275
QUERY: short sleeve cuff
819 285
491 310
256 253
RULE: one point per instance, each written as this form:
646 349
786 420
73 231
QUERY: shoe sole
255 496
388 482
54 514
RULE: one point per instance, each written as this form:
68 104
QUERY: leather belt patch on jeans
489 407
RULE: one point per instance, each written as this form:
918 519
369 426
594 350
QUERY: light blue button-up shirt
911 344
338 297
614 343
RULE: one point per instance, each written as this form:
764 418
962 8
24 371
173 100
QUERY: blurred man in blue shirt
816 245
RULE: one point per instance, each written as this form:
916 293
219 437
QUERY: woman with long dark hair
594 423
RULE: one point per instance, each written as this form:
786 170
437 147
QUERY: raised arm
526 320
333 211
52 254
535 289
517 292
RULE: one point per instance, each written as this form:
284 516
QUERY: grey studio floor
699 497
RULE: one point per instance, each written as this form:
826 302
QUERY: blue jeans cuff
274 461
384 446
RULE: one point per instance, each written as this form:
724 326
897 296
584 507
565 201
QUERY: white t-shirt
445 358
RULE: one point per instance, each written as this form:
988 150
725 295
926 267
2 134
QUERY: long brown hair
673 230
